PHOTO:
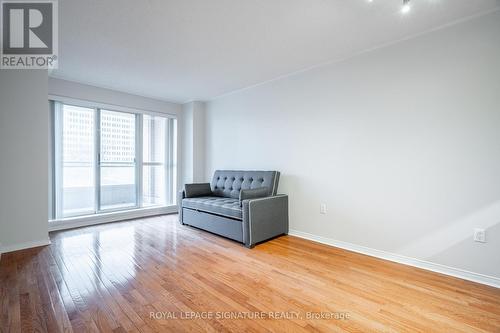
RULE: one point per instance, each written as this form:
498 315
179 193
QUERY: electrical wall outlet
480 235
322 208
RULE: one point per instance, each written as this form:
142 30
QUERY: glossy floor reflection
153 275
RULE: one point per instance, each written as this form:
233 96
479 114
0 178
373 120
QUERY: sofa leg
249 246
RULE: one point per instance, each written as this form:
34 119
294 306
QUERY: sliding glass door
108 160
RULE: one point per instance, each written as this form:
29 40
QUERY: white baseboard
430 266
25 245
76 222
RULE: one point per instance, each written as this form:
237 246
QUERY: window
109 160
153 161
77 172
117 161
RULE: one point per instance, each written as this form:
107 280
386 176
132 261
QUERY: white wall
401 143
193 142
24 139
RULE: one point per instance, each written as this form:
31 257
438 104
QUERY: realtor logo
29 34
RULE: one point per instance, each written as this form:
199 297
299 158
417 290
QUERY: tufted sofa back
229 183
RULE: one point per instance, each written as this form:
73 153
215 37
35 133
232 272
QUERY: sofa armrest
180 195
264 218
197 190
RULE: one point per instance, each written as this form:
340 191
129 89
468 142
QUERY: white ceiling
182 50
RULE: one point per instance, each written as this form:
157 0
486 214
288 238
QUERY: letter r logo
27 27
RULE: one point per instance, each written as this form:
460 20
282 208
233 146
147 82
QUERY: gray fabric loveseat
240 205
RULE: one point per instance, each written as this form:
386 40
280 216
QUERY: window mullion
97 160
139 160
58 151
167 162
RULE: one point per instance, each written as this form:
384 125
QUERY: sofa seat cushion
216 205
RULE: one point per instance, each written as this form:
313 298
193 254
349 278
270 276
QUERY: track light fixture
404 9
406 6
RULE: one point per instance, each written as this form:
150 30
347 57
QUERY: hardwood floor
135 276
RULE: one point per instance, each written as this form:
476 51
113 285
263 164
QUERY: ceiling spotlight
406 6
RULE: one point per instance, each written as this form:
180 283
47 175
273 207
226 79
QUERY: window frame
170 162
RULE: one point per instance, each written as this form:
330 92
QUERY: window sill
82 221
